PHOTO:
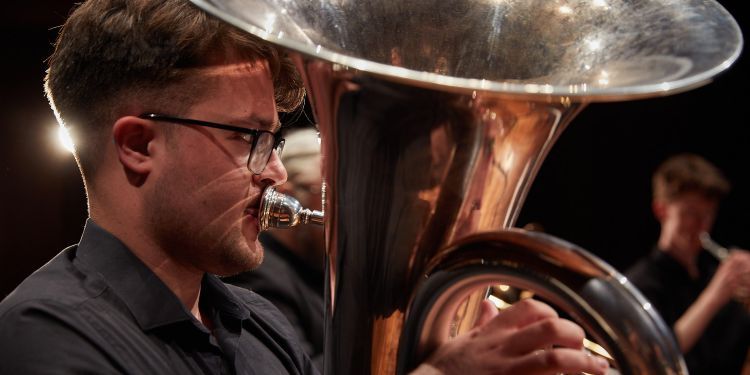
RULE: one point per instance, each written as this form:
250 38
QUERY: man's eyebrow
261 123
276 126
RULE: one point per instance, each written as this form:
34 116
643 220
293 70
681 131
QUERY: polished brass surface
559 273
435 116
279 210
597 49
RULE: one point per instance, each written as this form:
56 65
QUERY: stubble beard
213 248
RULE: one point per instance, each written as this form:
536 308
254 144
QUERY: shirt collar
150 301
706 263
216 293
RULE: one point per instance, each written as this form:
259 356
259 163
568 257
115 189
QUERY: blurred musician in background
695 291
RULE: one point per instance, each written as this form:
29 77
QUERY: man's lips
252 216
252 211
253 208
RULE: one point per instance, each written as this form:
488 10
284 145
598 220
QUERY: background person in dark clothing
694 292
292 273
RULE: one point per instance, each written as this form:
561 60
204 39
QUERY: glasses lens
280 147
261 153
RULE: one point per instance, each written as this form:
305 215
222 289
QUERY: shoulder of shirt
56 287
651 273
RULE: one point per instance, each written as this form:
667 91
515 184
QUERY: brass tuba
435 116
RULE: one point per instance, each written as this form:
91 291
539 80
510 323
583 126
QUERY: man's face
686 217
203 206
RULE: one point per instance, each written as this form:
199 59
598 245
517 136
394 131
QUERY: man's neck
185 283
687 258
183 280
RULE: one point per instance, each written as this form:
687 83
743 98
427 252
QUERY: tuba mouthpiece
279 210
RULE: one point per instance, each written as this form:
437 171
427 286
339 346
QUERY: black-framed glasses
262 142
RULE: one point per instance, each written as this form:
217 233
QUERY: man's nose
274 174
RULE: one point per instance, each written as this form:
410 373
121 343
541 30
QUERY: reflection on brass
279 210
435 117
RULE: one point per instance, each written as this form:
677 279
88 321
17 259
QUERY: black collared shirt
97 309
293 286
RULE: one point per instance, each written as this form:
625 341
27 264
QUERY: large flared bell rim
583 92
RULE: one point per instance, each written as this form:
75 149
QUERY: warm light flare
66 142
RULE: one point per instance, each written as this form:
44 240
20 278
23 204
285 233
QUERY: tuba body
435 117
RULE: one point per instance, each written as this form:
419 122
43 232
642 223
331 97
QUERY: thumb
487 311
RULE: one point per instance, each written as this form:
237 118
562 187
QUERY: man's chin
236 269
244 256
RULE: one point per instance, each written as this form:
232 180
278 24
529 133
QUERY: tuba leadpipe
435 117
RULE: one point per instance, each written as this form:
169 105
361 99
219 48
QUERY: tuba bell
435 116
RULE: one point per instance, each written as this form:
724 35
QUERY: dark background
593 190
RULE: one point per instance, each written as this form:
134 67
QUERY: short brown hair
110 51
685 173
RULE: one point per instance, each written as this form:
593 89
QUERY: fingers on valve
487 312
565 360
548 333
521 314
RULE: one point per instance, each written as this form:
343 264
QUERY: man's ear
132 136
659 209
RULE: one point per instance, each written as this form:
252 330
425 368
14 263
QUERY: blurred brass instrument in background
741 293
435 116
719 252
